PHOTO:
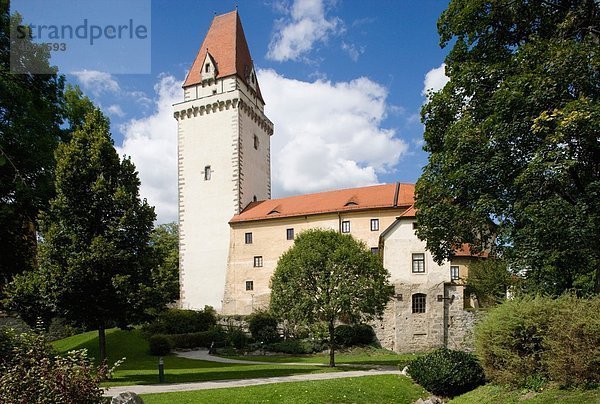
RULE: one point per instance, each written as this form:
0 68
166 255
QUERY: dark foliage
160 345
446 372
296 346
263 327
179 321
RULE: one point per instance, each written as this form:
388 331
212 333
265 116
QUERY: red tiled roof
226 43
410 212
343 200
465 251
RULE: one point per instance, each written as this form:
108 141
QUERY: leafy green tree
514 159
327 276
95 258
489 279
31 112
164 241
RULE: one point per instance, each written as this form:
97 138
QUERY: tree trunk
331 344
102 343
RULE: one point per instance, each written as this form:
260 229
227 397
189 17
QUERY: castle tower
224 157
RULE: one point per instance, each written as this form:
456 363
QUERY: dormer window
207 68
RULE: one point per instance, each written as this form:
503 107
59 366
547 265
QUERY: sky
343 82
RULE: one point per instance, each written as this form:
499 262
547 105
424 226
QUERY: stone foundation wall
403 331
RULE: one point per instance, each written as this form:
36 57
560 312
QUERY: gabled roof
343 200
227 45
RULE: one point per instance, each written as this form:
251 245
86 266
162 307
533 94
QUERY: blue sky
343 82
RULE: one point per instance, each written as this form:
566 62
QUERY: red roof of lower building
344 200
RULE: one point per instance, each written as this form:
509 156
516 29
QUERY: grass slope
367 389
491 394
142 368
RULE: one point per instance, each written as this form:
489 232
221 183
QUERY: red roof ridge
367 197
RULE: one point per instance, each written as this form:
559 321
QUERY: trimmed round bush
159 345
446 372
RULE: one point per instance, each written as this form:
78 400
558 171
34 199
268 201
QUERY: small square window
415 225
248 238
290 234
346 226
214 92
375 250
249 285
207 173
256 142
418 263
258 261
454 272
374 224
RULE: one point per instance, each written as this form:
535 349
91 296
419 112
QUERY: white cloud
116 110
97 82
352 50
152 144
435 79
327 135
305 25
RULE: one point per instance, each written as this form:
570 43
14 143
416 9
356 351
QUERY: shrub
159 345
344 335
446 372
237 338
295 347
357 334
178 321
510 340
263 327
197 339
33 373
572 343
363 334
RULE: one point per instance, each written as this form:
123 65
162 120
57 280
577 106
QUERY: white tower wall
217 123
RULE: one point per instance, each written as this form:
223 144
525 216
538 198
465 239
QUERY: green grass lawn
356 356
367 389
489 394
142 368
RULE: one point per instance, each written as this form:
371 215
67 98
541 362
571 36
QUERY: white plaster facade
217 125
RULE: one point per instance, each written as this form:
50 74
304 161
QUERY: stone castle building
232 233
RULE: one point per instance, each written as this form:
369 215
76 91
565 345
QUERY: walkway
220 384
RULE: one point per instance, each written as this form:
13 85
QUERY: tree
489 279
31 112
164 241
95 258
327 276
514 161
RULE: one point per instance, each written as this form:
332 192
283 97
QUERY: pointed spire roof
226 43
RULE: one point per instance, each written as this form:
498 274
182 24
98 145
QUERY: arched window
419 301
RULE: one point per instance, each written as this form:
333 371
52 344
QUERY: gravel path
220 384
